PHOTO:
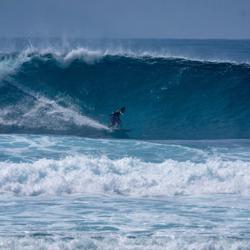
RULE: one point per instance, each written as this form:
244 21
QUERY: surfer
115 118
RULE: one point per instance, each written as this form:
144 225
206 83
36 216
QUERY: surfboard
122 130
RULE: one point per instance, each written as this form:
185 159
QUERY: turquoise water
180 179
98 222
74 193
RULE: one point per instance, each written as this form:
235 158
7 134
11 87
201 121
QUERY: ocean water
180 179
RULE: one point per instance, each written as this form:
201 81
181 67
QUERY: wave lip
91 56
82 174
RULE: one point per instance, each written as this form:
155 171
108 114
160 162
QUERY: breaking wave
88 175
47 91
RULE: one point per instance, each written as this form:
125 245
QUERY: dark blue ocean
179 179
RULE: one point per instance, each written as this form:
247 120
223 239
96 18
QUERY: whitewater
180 179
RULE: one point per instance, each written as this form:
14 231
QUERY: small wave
84 174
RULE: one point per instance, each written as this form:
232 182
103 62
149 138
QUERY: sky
202 19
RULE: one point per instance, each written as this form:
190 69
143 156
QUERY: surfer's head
122 110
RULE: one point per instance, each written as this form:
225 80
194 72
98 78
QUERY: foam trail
66 114
30 118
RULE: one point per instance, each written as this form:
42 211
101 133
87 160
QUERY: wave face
166 97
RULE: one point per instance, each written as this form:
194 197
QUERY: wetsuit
115 120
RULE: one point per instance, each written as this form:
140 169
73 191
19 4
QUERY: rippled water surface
73 193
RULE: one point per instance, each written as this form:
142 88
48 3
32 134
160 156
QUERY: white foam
82 174
88 56
57 114
111 242
44 113
10 64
